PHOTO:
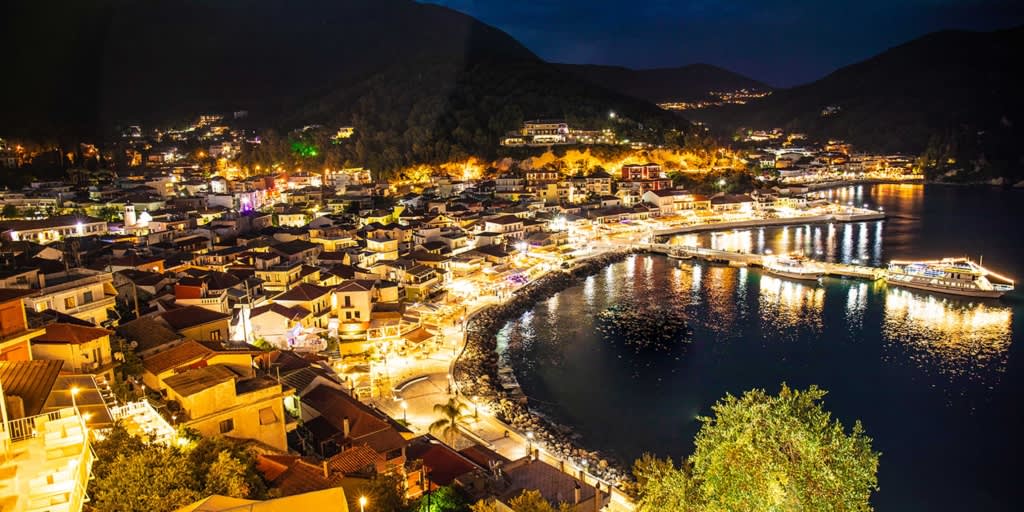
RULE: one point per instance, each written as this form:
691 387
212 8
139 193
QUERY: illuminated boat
953 276
793 267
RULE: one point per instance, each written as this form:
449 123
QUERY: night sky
780 42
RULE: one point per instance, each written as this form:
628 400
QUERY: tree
442 499
131 475
10 211
384 492
763 452
451 413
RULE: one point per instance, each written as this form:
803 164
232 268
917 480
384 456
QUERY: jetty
746 259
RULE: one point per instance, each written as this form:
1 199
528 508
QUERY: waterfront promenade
426 378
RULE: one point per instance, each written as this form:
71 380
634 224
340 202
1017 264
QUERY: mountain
952 94
420 83
684 83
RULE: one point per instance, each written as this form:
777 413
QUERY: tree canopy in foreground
765 452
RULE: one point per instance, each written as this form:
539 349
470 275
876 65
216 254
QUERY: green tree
765 452
451 415
10 211
443 499
131 475
383 492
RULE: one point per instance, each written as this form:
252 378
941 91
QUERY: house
332 498
508 225
313 298
15 332
297 251
274 323
82 293
732 203
52 229
338 422
354 302
217 401
555 486
46 455
672 201
647 171
192 354
82 349
197 323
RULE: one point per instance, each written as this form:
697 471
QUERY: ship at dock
952 276
793 267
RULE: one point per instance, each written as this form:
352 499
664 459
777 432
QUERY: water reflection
956 337
787 304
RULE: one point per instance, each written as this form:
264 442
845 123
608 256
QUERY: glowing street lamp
74 393
405 411
362 504
529 439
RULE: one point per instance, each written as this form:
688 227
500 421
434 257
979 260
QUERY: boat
951 276
680 255
793 267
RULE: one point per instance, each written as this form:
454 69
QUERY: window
227 426
215 335
267 416
69 303
357 314
87 297
348 315
348 301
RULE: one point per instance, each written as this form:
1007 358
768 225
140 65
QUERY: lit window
69 303
227 426
215 335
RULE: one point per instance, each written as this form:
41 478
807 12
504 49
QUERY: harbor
743 259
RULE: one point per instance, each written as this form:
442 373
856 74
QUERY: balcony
47 462
104 302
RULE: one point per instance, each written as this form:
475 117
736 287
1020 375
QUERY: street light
362 504
476 407
74 393
405 411
529 439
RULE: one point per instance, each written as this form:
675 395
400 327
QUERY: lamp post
529 440
405 412
362 504
74 393
476 407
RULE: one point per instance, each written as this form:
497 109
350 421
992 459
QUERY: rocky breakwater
476 370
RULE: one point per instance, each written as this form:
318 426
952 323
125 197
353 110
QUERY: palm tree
451 413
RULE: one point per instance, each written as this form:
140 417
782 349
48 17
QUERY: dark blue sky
781 42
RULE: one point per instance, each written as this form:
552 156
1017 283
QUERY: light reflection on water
954 337
786 304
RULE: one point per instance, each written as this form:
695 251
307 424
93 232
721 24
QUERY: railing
26 428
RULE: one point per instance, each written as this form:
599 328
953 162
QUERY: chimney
326 474
576 494
345 427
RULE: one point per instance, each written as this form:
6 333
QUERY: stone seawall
476 370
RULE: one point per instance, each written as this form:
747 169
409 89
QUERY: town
318 318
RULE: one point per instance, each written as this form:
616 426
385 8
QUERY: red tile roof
191 316
173 357
71 334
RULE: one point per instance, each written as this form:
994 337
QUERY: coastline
475 370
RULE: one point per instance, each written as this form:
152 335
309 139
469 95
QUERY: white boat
793 267
952 276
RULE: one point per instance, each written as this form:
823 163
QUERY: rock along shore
476 370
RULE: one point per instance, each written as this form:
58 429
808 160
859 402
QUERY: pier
746 259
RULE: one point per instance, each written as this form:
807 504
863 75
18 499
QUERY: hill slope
684 83
420 82
934 93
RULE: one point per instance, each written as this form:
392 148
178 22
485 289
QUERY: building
82 293
327 499
14 330
83 349
546 131
45 458
648 171
52 229
215 400
197 323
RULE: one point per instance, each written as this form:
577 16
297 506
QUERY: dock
746 259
